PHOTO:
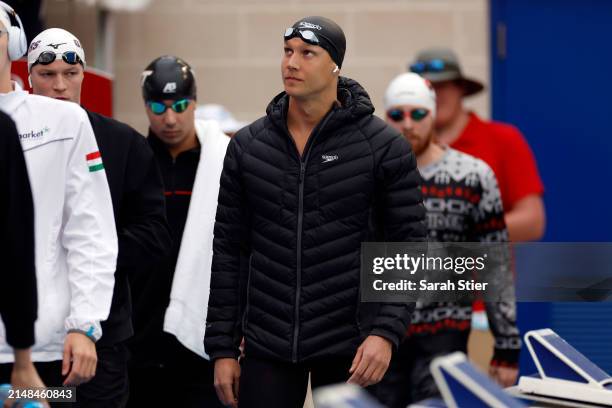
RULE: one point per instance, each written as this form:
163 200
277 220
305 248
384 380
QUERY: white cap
55 40
4 18
221 115
411 89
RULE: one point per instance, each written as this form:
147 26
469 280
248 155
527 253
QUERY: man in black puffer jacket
301 189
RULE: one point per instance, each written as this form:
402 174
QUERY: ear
336 69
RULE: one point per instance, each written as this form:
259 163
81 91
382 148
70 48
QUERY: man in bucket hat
500 145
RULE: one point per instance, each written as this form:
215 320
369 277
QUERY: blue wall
555 84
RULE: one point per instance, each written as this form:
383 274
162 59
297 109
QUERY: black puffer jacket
289 230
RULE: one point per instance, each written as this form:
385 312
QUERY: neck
431 154
308 112
187 144
450 132
5 79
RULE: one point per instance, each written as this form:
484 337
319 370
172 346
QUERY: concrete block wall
235 46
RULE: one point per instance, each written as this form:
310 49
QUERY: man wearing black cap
301 189
501 146
170 306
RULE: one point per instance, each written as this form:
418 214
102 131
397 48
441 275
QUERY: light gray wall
235 46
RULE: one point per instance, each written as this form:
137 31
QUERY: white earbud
336 69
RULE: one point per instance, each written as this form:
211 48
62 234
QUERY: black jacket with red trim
151 346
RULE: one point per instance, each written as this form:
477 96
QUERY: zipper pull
302 171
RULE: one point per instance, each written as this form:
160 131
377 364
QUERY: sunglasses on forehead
307 36
159 108
416 114
47 57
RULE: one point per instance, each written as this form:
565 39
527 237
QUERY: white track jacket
75 236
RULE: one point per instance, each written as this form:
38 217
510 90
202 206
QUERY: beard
419 143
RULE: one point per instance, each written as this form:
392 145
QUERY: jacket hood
354 101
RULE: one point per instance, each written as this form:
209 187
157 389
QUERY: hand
227 379
80 359
505 376
242 348
24 374
371 361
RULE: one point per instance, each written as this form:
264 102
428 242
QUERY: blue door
552 77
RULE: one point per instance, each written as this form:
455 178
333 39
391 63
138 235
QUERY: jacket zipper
245 316
302 175
296 308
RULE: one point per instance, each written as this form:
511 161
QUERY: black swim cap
328 35
168 77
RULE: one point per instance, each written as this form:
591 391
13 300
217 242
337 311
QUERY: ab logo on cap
170 87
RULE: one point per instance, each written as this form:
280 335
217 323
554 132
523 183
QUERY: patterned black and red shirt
463 203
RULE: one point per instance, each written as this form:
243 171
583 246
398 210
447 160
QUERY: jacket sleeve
18 304
144 236
489 222
223 330
401 215
89 235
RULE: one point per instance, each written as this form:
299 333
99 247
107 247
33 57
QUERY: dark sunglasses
159 108
434 65
306 35
416 114
47 57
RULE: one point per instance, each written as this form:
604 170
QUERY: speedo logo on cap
305 24
170 87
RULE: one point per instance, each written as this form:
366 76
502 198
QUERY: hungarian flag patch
94 161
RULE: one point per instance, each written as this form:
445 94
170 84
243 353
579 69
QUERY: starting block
564 373
462 385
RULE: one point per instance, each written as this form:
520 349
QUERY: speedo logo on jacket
326 158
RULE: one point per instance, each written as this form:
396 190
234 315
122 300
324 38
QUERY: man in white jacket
76 242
